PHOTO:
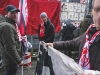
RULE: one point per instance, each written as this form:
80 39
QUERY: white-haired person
46 30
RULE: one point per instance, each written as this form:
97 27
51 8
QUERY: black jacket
90 21
49 32
67 32
78 43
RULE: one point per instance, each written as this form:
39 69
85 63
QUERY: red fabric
27 56
4 3
28 64
42 30
35 7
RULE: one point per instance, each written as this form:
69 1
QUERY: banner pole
22 73
22 70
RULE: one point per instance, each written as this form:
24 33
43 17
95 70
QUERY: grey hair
43 14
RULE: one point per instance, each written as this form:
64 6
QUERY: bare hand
21 64
49 44
86 74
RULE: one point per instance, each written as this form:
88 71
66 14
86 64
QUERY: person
1 20
46 30
63 30
46 33
67 34
67 31
76 32
88 43
9 41
90 21
85 24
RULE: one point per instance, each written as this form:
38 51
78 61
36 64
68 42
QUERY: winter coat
9 43
2 18
76 32
49 32
83 26
90 21
67 31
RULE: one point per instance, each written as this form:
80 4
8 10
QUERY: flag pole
22 73
22 70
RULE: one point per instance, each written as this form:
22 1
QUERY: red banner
52 8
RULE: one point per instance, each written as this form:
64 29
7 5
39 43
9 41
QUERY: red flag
35 7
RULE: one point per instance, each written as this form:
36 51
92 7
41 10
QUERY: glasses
97 9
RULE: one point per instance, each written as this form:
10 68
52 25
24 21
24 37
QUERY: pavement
30 70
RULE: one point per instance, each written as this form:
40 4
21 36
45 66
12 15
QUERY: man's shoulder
85 20
7 25
51 25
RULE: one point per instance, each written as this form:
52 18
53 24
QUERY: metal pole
22 70
22 66
87 6
22 59
32 43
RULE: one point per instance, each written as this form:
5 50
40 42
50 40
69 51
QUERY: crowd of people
86 41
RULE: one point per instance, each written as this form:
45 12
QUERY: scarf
18 33
42 30
84 61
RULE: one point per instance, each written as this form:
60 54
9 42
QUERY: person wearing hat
10 44
46 31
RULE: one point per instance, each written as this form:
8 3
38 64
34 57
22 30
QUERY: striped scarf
18 33
42 30
84 61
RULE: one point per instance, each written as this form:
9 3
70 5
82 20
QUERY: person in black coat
67 34
90 21
46 33
46 30
67 31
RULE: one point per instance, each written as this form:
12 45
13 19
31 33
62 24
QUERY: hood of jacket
68 22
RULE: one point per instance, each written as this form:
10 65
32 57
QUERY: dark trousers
11 69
